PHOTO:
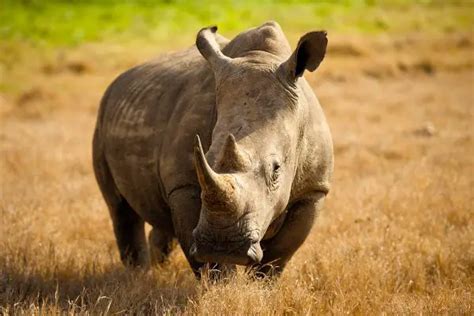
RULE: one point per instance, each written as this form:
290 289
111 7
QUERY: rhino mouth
244 253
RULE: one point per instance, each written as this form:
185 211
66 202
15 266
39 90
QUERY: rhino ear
209 48
308 55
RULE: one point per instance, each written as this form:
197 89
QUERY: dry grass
396 235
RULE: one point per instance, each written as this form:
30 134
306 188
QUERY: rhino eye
276 167
276 171
272 174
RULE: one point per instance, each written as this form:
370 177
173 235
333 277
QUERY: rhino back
146 117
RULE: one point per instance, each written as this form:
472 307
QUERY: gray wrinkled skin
246 190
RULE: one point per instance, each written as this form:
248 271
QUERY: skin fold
223 146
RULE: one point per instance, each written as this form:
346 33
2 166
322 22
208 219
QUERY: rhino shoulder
316 161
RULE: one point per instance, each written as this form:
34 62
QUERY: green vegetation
69 23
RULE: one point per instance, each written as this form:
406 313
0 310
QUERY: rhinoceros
223 146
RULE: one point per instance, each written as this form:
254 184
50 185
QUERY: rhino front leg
160 244
298 223
185 208
129 231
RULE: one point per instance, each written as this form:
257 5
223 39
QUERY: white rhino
223 146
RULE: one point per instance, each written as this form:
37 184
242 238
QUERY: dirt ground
396 234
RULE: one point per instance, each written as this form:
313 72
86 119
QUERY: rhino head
247 175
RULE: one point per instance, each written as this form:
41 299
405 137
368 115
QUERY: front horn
216 188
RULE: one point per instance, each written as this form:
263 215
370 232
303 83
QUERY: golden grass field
396 235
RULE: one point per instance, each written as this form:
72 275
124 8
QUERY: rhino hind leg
160 244
129 231
129 228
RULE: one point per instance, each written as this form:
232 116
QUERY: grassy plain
396 235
